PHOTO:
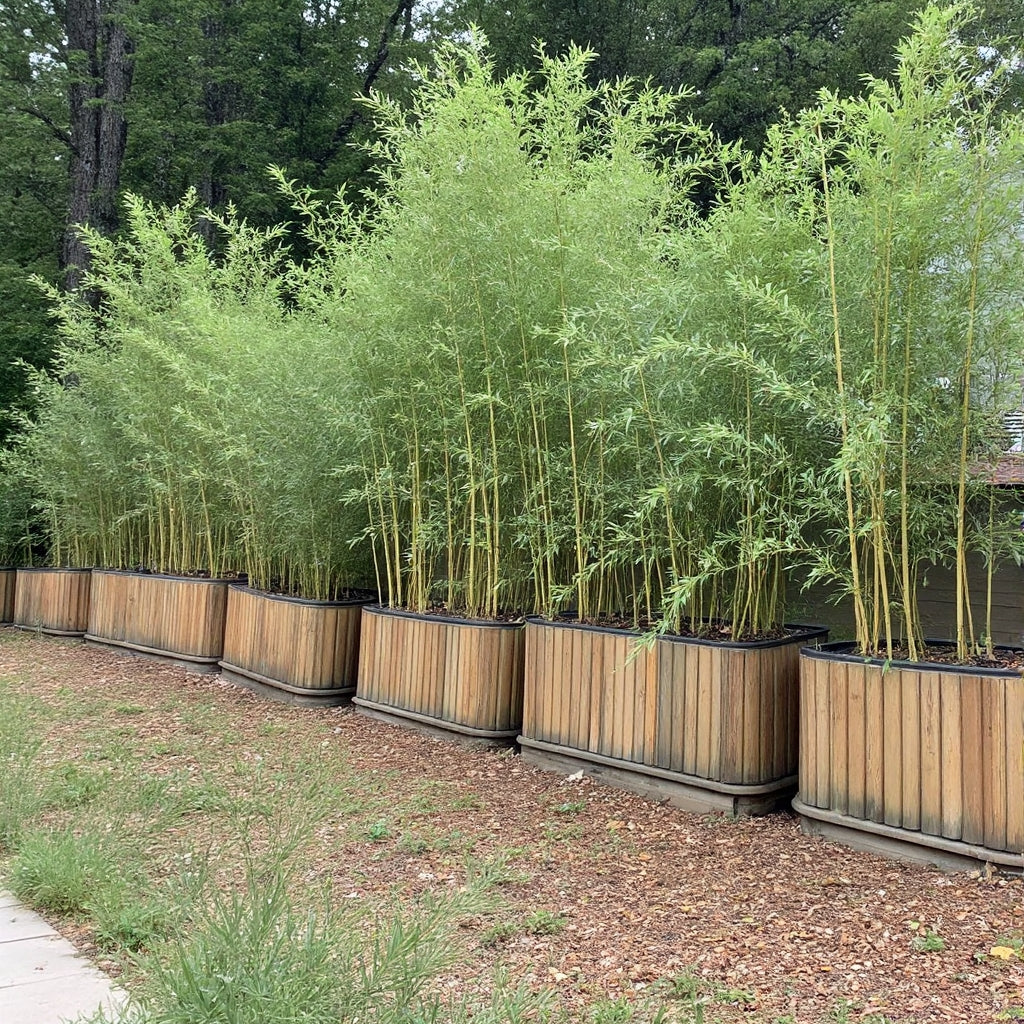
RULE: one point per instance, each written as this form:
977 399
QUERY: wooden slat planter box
291 648
8 578
179 618
708 726
54 601
919 761
462 677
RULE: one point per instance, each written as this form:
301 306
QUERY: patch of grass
252 955
21 791
412 843
73 786
60 871
128 917
544 922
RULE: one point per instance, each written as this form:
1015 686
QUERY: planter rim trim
296 599
805 632
452 620
164 576
437 723
842 650
906 835
53 568
698 781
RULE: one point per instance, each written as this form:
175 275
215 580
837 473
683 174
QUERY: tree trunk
100 75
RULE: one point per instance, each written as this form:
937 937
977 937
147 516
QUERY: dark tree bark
100 66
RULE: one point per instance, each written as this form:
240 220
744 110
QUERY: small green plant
378 832
928 942
499 933
571 807
544 922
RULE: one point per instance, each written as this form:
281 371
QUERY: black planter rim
220 580
801 634
55 568
297 599
844 650
380 609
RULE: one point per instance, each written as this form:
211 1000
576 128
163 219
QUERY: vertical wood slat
808 756
930 750
931 696
311 645
993 729
839 750
476 675
910 745
1015 764
53 600
8 579
892 747
950 756
970 741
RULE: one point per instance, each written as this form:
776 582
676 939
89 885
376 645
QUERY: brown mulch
782 926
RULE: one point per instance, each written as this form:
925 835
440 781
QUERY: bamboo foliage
528 374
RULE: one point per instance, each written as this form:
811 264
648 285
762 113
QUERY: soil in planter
189 574
442 611
716 632
1010 659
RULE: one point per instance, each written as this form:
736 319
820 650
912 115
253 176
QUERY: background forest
99 97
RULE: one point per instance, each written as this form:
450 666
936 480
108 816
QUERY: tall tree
746 59
99 64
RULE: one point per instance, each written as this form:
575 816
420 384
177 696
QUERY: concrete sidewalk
43 980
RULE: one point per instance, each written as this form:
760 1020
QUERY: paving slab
43 979
17 923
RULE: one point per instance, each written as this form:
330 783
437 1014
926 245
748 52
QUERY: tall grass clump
503 206
253 956
179 430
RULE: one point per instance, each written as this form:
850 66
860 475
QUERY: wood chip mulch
769 924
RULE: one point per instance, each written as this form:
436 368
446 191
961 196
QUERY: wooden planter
7 587
709 726
292 648
460 676
54 601
180 618
919 761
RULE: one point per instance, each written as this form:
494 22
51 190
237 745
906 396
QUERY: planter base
900 843
76 634
687 792
435 727
303 696
191 662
